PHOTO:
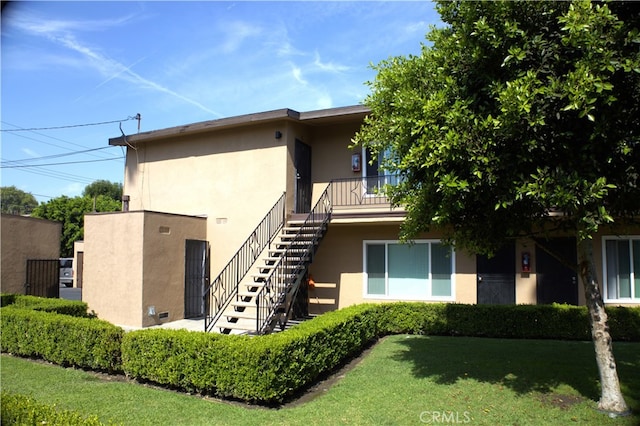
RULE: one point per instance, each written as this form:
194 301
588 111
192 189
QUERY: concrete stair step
222 325
243 304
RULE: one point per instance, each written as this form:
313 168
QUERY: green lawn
403 380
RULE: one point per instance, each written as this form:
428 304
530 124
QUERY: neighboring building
23 239
216 182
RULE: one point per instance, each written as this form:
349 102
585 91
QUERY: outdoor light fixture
278 134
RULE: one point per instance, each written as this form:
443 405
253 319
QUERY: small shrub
23 410
61 339
60 306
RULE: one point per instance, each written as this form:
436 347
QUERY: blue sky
77 63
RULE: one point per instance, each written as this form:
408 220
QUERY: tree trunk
611 399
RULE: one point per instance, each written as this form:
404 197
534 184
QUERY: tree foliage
104 187
515 111
16 201
518 117
70 212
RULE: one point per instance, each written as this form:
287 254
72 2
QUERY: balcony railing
225 286
361 191
272 301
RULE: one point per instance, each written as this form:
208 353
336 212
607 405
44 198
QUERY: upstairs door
496 277
303 177
555 281
196 277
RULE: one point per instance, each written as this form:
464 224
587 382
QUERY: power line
18 166
58 175
136 117
48 157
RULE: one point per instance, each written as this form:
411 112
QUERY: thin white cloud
328 66
60 33
236 33
46 26
297 74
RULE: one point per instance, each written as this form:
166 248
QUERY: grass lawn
403 380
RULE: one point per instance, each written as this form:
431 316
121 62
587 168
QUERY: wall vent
163 315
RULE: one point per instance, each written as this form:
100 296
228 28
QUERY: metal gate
196 277
43 277
496 277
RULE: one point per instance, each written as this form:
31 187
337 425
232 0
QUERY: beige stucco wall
233 177
337 268
135 260
24 238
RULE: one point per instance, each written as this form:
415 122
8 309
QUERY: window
420 271
621 265
376 177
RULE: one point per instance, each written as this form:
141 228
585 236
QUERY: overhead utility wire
49 157
135 117
16 166
60 175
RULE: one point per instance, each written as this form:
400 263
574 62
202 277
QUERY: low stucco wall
134 260
24 238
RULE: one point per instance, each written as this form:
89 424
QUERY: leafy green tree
104 187
70 212
519 118
16 201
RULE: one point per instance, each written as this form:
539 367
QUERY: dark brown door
196 277
303 177
555 280
496 277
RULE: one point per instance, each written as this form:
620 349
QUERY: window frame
633 274
430 297
387 178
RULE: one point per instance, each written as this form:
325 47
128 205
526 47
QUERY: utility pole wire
136 117
57 164
48 157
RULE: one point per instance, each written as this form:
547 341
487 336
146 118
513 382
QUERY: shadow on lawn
521 365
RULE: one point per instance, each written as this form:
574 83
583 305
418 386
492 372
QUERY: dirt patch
564 402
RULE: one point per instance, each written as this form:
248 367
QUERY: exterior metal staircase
262 300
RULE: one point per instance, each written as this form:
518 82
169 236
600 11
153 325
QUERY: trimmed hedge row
268 369
256 369
68 341
59 306
23 410
556 321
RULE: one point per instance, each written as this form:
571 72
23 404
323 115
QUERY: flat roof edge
240 120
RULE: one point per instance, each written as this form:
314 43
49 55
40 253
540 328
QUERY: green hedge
61 306
256 369
23 410
62 339
7 299
563 322
268 369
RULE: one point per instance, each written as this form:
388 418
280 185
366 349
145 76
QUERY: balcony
363 198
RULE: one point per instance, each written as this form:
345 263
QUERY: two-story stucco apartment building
285 189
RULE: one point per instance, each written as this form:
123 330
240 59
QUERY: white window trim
365 163
365 274
605 284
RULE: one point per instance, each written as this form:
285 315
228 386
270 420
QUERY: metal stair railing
221 290
272 303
